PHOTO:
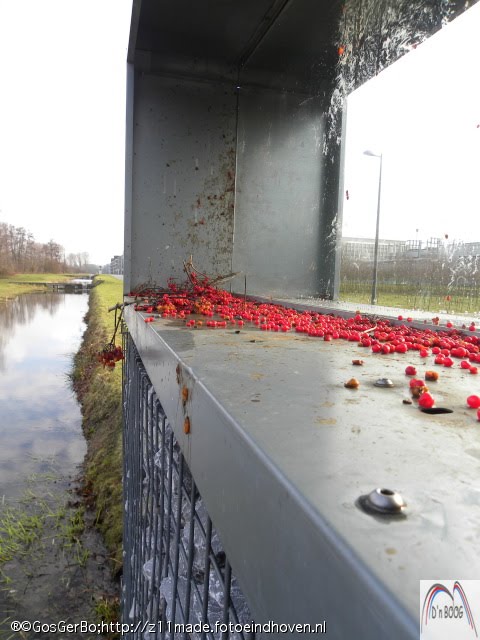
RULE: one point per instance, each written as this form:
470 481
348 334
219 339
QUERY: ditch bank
53 563
99 391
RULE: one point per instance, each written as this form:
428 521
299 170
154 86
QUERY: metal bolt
385 501
384 382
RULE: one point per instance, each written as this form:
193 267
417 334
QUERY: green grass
18 530
107 610
425 298
25 527
12 286
71 535
75 525
100 394
43 277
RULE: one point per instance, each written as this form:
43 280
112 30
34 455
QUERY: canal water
51 567
39 415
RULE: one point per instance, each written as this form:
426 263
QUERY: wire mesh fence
177 582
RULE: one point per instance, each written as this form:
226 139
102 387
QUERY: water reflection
40 421
21 311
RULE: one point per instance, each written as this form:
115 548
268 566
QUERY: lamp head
369 152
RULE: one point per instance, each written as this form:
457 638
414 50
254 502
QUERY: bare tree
20 253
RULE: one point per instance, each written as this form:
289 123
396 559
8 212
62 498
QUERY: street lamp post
373 299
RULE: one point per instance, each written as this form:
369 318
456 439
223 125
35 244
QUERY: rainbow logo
459 607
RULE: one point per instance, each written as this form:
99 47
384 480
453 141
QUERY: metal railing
177 580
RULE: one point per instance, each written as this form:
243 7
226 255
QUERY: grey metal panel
300 34
189 68
183 177
298 52
128 178
134 23
213 30
278 199
287 182
328 248
280 452
340 199
282 209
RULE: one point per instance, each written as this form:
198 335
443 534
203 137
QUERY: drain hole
387 492
435 410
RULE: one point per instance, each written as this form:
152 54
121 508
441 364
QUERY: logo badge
449 609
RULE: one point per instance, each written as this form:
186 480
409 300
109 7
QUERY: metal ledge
281 452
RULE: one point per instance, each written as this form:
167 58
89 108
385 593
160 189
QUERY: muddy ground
64 573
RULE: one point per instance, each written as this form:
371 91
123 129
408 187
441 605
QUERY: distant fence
175 569
426 294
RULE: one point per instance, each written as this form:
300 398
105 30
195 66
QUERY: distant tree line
20 253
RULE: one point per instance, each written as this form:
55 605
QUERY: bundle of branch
193 274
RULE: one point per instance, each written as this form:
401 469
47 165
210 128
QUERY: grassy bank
13 286
426 297
99 392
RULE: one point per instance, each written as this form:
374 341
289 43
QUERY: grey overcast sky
62 121
423 115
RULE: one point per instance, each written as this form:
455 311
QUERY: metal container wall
182 178
225 144
279 190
